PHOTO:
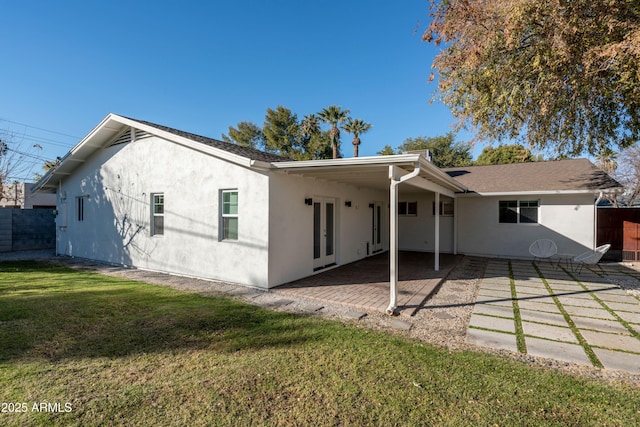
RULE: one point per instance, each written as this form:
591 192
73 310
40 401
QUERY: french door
376 229
324 232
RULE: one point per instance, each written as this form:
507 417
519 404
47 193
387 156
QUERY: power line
35 127
46 141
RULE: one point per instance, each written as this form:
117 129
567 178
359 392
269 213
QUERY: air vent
140 134
123 138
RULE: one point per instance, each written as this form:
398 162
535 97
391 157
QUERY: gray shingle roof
249 153
558 175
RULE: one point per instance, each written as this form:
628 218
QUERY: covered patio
364 284
379 286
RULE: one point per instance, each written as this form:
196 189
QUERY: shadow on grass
55 313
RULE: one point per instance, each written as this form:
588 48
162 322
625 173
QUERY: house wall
291 224
417 233
568 220
19 195
118 183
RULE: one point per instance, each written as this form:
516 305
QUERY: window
157 214
446 208
408 208
529 211
229 215
80 208
518 211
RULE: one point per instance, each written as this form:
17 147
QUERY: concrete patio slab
489 285
547 306
491 339
498 301
618 360
629 317
495 323
556 319
356 315
555 333
579 302
495 293
633 307
610 326
493 310
612 341
557 350
617 297
400 324
597 313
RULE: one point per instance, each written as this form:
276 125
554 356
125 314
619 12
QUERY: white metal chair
591 257
543 249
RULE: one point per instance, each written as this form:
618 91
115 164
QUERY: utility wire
34 127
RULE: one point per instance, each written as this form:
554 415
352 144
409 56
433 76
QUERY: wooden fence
611 229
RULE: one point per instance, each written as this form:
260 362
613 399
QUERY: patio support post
436 260
396 180
455 226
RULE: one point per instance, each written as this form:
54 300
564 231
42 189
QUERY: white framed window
157 214
229 215
446 208
518 211
408 208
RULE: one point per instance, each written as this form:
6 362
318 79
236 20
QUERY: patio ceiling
373 172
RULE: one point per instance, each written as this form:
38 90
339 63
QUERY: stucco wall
119 182
291 227
417 233
568 220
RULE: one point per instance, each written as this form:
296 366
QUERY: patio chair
591 257
543 249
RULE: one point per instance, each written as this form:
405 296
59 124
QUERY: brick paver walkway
365 284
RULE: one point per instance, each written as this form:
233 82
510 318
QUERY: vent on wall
123 138
129 135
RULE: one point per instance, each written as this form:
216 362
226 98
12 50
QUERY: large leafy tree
247 134
316 142
445 151
512 153
387 150
356 127
560 75
334 115
282 135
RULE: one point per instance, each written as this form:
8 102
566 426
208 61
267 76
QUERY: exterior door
324 232
631 241
376 234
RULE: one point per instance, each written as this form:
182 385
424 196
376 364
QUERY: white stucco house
139 194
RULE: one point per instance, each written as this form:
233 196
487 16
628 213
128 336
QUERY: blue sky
203 66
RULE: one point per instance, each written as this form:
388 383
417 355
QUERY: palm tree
607 160
310 125
334 115
356 127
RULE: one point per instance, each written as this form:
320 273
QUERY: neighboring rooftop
557 175
248 152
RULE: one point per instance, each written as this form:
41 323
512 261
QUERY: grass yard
78 348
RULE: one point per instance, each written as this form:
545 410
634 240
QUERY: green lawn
118 352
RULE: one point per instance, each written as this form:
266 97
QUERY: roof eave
544 192
393 160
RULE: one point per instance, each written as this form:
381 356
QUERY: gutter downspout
393 262
595 219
